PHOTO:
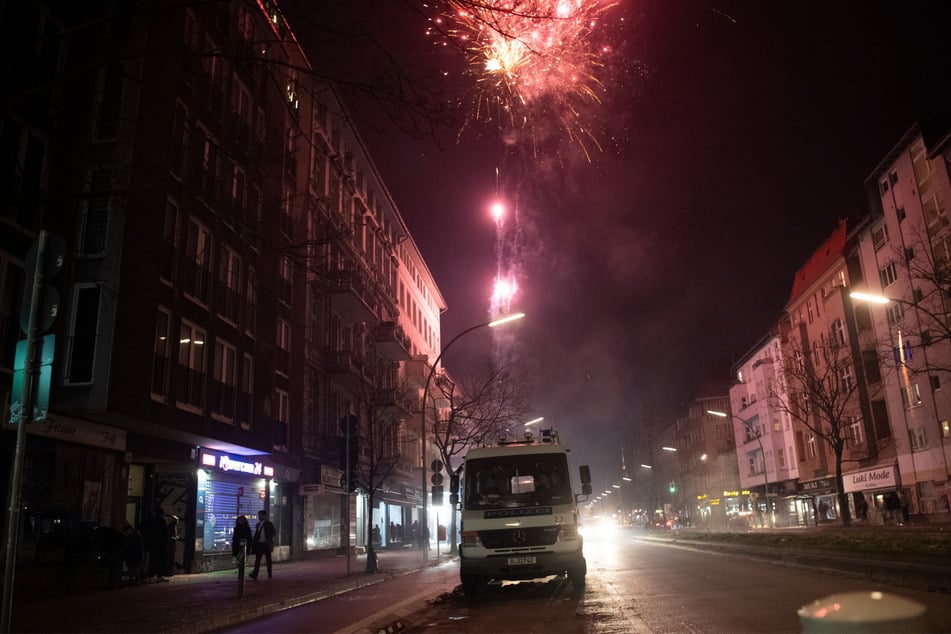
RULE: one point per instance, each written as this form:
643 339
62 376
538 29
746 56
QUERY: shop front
817 501
228 486
324 504
876 496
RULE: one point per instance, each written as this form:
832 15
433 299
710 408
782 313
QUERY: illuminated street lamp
424 520
759 440
534 420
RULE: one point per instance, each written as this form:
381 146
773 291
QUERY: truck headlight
470 538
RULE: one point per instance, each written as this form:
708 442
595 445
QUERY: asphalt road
633 586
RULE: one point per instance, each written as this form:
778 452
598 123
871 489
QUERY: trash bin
850 612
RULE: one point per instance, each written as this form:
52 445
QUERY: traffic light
673 487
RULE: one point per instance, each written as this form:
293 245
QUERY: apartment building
241 301
906 250
765 440
707 486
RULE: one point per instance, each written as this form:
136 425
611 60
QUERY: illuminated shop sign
235 464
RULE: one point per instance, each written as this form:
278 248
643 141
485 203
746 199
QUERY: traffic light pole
26 417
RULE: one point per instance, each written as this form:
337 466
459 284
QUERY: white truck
520 517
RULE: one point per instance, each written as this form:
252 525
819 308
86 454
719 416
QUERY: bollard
242 559
852 612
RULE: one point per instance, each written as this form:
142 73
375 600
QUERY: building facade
240 304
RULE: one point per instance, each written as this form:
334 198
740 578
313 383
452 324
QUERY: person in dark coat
134 554
263 544
155 534
242 530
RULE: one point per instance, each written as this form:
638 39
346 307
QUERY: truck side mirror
585 479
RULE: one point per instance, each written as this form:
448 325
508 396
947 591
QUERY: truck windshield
517 481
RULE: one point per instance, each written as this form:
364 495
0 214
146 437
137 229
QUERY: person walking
263 544
134 554
242 531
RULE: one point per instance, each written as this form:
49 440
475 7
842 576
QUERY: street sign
436 479
436 465
41 401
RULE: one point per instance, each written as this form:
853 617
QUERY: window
945 429
197 261
873 373
283 360
918 439
880 237
810 311
245 405
281 420
922 165
812 447
161 355
224 380
22 156
838 333
285 285
935 214
854 432
781 458
250 302
229 285
208 164
179 140
94 220
847 378
900 214
169 242
191 366
911 396
110 102
935 382
888 275
903 354
894 312
83 334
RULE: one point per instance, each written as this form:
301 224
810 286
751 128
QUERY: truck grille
520 537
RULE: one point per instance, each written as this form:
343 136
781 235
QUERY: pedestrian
242 531
134 554
172 545
155 534
263 544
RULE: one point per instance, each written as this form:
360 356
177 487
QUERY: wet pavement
207 601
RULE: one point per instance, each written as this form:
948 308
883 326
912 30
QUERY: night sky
734 136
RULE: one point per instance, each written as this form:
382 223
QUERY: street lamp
424 520
534 420
759 440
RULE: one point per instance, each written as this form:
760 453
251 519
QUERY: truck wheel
576 577
471 583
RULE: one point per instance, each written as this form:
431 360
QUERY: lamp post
424 520
759 440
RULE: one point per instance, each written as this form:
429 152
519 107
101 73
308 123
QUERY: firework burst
535 62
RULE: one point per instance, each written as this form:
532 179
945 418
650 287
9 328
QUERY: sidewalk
207 601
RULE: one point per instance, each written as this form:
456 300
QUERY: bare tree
472 412
821 394
376 436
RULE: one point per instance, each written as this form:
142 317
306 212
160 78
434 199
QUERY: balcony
395 399
416 370
342 362
392 342
350 296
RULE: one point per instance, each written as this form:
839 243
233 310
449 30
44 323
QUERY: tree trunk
842 496
371 567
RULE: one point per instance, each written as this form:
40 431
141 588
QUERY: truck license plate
521 561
